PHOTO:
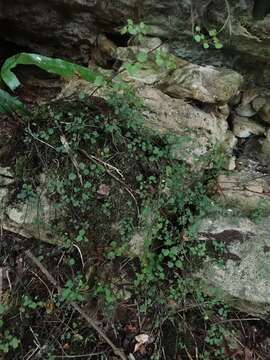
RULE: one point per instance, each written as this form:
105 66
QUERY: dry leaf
129 328
141 339
103 190
248 354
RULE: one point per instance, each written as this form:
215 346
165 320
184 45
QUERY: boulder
244 278
206 84
264 112
169 114
149 72
251 37
68 28
244 127
245 190
200 129
266 146
258 103
245 110
203 127
29 218
203 83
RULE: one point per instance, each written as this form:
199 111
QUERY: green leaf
218 45
132 68
100 80
206 45
197 28
51 65
165 252
142 56
72 176
14 343
123 30
159 60
179 264
197 38
145 29
9 104
213 32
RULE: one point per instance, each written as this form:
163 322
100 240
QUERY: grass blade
10 104
51 65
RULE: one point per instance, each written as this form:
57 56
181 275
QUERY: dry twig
109 169
118 352
73 159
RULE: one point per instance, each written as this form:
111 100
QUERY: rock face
203 83
202 129
244 127
252 38
206 84
31 219
189 101
176 115
68 27
245 190
244 280
264 112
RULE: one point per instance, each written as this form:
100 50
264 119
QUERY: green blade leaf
9 104
51 65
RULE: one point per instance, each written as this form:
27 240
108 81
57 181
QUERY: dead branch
108 169
73 159
118 352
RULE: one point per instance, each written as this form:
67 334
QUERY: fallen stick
118 352
108 169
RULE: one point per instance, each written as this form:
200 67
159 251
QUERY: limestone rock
249 95
244 279
137 244
6 176
229 142
106 46
228 146
128 53
203 83
202 129
29 218
245 110
252 38
244 190
149 73
266 145
258 103
177 114
230 164
244 127
264 113
68 28
154 43
76 87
